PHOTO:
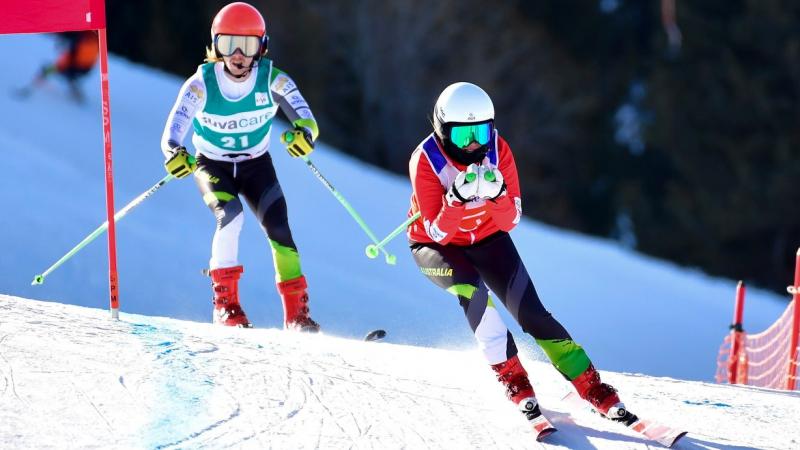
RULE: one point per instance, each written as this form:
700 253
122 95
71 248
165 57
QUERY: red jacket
432 173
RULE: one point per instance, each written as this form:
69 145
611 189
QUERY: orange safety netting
765 356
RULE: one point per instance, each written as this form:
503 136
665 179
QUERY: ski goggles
463 135
227 44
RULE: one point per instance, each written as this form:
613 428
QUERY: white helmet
462 104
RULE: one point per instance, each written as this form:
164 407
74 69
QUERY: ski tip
544 433
678 437
38 279
375 335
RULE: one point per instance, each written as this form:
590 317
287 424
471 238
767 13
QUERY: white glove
491 184
465 187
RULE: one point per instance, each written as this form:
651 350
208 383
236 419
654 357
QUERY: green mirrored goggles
463 135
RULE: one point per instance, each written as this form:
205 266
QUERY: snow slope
631 312
70 377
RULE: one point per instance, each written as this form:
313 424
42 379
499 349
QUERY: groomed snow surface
72 377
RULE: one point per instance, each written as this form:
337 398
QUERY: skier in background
77 60
466 188
231 102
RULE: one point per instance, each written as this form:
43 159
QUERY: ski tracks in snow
58 384
272 389
162 384
7 372
72 378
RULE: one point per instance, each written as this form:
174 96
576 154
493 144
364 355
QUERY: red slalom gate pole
112 235
737 338
791 380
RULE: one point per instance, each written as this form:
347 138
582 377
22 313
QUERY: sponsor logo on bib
262 98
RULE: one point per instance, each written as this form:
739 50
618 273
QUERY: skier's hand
180 163
491 184
298 142
465 186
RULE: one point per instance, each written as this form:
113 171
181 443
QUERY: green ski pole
39 279
372 250
390 259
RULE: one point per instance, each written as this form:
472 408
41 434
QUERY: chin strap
239 66
459 155
463 157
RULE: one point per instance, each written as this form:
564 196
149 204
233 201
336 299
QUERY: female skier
231 102
466 188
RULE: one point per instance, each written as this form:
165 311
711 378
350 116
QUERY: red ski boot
514 378
601 395
227 310
295 305
519 390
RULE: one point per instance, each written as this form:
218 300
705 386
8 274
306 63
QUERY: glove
465 186
181 163
298 142
491 185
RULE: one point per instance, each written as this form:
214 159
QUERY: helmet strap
243 74
462 156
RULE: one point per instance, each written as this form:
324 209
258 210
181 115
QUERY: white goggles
227 45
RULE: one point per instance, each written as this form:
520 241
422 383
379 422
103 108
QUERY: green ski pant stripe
210 197
567 356
467 291
463 290
287 262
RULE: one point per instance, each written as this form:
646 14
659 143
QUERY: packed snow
73 377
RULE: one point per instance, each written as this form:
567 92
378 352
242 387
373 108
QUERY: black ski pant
222 183
494 264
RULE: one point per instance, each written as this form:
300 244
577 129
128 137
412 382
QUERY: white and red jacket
432 173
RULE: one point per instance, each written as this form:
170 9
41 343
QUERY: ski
649 429
375 335
541 426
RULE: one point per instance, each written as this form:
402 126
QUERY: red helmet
239 19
